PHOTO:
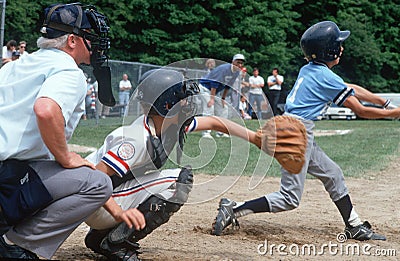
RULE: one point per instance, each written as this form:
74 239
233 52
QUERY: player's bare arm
132 216
370 112
225 126
212 97
51 125
365 95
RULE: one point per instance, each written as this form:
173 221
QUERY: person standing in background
255 93
274 89
210 65
214 89
125 87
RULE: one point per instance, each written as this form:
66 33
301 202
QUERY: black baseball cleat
93 239
14 252
225 217
98 241
362 232
127 251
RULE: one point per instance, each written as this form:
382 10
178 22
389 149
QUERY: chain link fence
134 70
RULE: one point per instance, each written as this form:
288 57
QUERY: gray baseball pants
76 193
317 164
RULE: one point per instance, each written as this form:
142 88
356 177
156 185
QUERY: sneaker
14 251
207 135
225 217
222 135
362 232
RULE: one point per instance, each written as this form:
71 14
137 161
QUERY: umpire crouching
46 191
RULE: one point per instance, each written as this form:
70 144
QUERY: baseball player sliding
316 87
134 154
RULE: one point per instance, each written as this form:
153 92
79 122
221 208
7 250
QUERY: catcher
316 87
133 155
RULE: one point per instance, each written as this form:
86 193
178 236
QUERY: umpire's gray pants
319 165
76 192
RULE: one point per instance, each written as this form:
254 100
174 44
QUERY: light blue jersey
220 78
48 73
315 89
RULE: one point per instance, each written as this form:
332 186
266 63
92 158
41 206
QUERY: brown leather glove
284 138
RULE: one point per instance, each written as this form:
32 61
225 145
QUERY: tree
266 32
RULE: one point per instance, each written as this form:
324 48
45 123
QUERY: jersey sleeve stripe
192 126
141 187
115 163
342 96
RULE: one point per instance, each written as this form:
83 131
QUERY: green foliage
267 32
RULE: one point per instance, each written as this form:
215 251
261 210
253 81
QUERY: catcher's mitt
284 138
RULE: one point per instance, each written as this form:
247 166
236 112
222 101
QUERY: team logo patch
126 151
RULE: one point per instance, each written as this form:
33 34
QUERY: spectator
8 49
102 109
243 108
217 83
210 65
256 93
274 89
15 55
125 87
90 98
22 48
235 92
244 82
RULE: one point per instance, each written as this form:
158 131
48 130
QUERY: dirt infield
316 223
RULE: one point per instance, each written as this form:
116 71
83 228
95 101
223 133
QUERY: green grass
368 148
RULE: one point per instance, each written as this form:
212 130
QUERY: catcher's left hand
284 138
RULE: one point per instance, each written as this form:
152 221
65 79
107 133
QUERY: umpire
46 191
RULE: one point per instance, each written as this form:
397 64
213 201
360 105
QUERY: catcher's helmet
163 89
322 41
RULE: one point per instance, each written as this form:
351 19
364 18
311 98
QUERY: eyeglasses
22 47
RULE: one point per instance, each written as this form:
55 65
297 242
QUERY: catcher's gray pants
317 164
76 192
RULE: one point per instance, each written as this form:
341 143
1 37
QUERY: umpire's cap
61 19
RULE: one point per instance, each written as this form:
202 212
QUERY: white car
339 113
343 113
393 97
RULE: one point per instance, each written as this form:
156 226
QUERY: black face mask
99 55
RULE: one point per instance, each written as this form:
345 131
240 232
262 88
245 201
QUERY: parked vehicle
339 113
393 97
